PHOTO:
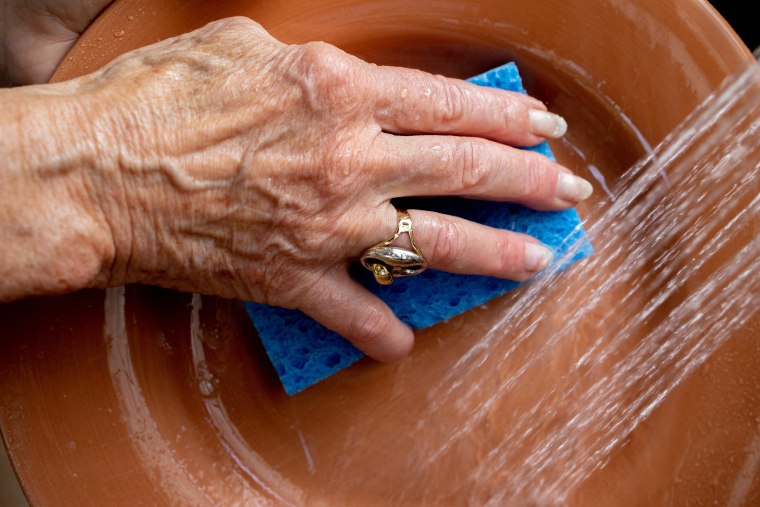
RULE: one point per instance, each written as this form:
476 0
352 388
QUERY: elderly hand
225 162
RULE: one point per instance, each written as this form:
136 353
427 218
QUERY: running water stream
679 240
540 402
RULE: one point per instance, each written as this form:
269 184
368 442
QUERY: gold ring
386 261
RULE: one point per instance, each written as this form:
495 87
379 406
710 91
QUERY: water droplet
207 381
206 387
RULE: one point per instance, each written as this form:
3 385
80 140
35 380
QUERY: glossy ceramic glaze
148 396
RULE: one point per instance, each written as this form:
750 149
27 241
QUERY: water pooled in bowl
539 402
683 252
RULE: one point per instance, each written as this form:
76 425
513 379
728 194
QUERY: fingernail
546 124
537 256
572 188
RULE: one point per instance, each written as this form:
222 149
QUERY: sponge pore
304 352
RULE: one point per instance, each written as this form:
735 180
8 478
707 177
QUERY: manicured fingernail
537 256
572 188
546 124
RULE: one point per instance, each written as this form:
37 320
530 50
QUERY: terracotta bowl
146 396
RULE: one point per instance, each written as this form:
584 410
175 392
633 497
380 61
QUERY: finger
473 167
342 305
457 245
414 102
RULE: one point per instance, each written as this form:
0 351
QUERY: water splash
678 242
681 252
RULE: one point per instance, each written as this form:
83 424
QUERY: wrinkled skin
229 163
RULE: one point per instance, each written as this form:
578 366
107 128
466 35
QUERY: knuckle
512 111
233 36
453 102
319 232
316 54
269 278
510 255
239 24
469 158
445 247
344 168
330 71
371 328
536 177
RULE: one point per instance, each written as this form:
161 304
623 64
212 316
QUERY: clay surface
153 397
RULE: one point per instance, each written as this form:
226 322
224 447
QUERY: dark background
741 15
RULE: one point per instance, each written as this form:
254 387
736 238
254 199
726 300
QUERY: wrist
57 233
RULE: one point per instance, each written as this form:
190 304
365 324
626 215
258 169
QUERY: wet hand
250 169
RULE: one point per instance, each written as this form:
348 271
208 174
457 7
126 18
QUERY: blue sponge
304 352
